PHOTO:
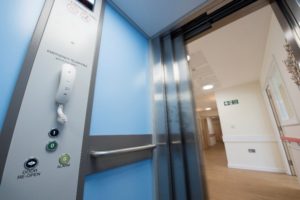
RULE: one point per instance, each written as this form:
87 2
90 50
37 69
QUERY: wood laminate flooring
234 184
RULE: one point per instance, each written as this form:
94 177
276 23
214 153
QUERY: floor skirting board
256 168
248 138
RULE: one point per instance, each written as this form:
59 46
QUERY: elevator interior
96 100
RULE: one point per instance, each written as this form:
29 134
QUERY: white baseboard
248 138
256 168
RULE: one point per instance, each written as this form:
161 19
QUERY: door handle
96 154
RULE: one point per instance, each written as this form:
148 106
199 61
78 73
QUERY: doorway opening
232 71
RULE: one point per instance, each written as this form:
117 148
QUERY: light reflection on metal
189 134
161 154
96 154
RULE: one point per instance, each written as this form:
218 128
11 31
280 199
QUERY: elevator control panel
53 110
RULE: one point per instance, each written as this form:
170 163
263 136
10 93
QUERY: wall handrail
96 154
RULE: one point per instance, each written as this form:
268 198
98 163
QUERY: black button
54 132
31 163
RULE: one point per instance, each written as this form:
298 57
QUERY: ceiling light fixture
207 109
208 87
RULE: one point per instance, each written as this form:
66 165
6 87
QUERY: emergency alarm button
64 159
31 163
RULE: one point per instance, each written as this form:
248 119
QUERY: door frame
279 133
208 22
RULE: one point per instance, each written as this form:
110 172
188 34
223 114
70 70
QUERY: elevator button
31 163
64 159
52 146
54 132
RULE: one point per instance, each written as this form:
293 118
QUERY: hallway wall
275 53
249 117
246 127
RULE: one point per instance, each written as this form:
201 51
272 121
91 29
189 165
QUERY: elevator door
121 115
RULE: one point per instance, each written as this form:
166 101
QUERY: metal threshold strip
96 154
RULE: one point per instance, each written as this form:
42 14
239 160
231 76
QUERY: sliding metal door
187 168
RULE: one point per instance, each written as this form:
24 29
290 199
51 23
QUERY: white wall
247 126
211 131
275 51
249 117
265 159
210 126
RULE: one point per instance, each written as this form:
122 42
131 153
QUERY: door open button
31 163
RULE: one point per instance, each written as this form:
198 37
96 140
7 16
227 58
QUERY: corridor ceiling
230 56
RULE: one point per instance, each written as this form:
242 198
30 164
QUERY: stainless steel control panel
44 155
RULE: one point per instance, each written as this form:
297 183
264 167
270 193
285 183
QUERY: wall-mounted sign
231 102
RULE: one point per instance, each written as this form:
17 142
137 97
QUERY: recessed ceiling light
209 108
208 87
188 57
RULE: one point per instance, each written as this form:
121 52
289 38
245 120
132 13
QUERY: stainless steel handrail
120 151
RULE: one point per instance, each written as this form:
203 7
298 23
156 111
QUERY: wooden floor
233 184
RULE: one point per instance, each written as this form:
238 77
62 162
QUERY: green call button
64 159
51 146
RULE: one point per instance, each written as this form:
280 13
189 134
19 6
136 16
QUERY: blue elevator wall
122 101
122 106
131 182
17 22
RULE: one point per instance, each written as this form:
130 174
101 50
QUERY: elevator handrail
120 151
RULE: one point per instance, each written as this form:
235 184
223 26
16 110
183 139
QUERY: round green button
64 159
52 146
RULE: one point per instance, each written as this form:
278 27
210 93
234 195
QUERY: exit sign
231 102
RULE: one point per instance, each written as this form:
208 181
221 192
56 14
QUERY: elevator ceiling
154 16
